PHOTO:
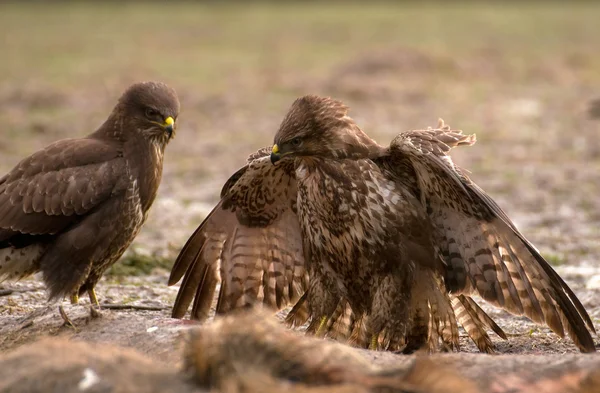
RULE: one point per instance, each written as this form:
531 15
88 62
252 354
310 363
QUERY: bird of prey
71 209
399 235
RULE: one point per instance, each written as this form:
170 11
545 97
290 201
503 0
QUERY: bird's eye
151 113
295 142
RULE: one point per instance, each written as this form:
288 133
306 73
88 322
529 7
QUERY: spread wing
251 242
50 189
483 250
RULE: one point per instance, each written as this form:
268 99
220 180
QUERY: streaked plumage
70 210
385 234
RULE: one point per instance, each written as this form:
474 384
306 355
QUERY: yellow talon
321 328
74 298
374 341
93 298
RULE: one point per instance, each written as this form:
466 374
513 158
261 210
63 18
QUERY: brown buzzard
71 209
385 232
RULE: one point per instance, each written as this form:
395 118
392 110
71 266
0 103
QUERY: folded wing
54 187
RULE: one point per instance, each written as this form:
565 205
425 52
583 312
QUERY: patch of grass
203 43
555 259
138 264
532 331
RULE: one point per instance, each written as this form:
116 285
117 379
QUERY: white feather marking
17 263
301 172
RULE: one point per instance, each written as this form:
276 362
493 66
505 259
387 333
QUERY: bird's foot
94 313
321 330
93 298
413 345
374 342
74 298
65 317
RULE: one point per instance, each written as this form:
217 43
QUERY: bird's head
151 109
319 126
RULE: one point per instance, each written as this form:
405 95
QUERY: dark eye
295 142
151 113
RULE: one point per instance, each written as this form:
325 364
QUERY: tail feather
299 314
342 323
18 263
508 272
473 319
443 322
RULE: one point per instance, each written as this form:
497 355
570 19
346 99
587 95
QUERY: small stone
593 282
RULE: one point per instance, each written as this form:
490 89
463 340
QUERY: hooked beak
275 156
169 126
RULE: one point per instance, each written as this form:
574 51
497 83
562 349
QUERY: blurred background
522 76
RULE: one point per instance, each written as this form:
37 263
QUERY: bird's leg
322 302
74 298
93 299
374 342
418 333
65 317
321 330
390 306
93 303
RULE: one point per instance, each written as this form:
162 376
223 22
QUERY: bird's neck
144 157
111 129
146 165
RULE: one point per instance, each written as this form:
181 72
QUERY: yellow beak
275 149
169 125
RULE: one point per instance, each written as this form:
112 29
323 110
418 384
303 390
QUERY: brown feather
82 201
367 221
485 252
254 241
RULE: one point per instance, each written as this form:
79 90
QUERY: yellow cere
169 121
275 149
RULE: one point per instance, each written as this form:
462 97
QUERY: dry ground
520 77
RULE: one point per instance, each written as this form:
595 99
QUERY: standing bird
399 234
71 210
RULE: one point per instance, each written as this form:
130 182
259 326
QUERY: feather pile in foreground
240 353
379 246
252 352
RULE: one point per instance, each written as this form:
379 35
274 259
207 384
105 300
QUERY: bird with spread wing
380 245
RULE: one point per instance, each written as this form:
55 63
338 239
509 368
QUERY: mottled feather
394 239
483 250
250 242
